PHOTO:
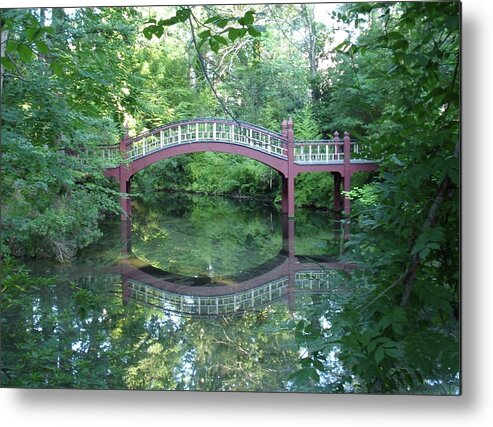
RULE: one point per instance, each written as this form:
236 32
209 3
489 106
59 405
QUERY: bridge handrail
321 141
206 130
151 132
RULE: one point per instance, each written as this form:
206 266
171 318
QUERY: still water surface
201 294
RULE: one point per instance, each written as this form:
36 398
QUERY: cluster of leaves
400 333
31 41
54 118
234 27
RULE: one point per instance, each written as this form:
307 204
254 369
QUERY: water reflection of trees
214 237
79 334
111 345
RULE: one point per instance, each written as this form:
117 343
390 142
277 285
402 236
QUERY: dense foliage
401 333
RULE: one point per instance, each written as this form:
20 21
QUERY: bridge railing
231 132
314 281
210 130
207 305
309 281
110 154
306 281
322 151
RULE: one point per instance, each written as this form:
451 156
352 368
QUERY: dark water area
197 293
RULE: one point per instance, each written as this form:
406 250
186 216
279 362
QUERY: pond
197 293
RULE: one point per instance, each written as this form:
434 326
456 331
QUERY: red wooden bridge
280 151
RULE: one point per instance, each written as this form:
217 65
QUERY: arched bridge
280 151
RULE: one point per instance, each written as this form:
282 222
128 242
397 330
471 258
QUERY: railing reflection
283 283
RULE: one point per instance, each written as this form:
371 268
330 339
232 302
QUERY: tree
400 333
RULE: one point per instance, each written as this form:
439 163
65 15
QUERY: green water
87 325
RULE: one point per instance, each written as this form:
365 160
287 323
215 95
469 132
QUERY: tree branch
429 222
204 71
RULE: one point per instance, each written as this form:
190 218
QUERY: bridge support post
288 239
124 179
125 290
347 172
288 242
291 173
284 195
126 237
337 191
125 201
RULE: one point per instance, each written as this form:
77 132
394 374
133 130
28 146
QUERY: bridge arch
275 163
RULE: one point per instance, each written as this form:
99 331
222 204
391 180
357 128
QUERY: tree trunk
429 222
3 41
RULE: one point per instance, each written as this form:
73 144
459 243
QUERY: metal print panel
257 198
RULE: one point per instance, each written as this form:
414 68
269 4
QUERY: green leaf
233 34
428 240
379 354
306 361
11 46
158 31
317 364
391 352
248 17
313 374
148 32
213 19
222 23
204 34
183 14
57 67
168 22
401 44
214 45
395 35
221 39
33 33
254 32
42 47
7 63
25 53
397 328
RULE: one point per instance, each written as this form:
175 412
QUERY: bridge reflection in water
292 277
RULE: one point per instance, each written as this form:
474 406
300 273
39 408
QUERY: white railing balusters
305 152
320 152
318 280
